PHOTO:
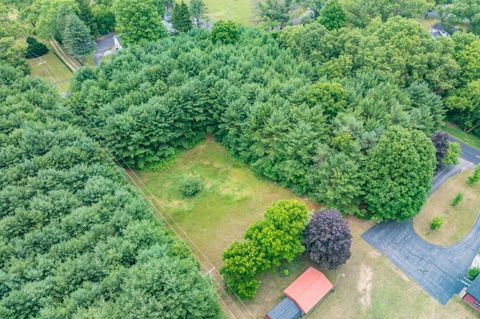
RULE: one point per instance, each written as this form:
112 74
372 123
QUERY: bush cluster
457 199
268 243
473 273
437 222
191 186
35 49
475 177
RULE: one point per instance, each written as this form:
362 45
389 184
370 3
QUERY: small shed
309 289
472 296
303 294
286 309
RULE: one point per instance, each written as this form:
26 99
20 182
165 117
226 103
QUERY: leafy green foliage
138 21
399 174
181 17
35 49
453 154
437 222
198 11
76 240
191 186
333 16
268 243
475 177
473 273
330 96
104 18
458 198
225 32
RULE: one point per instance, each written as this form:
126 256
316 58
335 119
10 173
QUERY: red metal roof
308 289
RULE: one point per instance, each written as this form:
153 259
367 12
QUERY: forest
75 240
316 110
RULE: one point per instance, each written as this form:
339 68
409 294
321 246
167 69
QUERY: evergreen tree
181 17
76 37
86 15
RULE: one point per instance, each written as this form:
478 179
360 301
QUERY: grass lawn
240 11
234 198
427 23
458 220
53 71
458 133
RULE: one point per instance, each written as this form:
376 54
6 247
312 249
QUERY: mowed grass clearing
52 69
458 133
458 220
234 197
241 11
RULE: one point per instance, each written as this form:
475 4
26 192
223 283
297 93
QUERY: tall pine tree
76 37
181 17
86 15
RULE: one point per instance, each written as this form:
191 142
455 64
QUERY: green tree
399 174
453 154
104 18
198 11
138 21
338 182
333 16
181 17
226 32
85 14
362 12
464 107
330 96
275 13
466 11
76 37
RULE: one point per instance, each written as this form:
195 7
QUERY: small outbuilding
472 296
302 295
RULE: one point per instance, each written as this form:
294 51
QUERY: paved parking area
437 269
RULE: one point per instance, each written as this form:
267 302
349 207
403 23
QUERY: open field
240 11
52 69
458 220
458 133
234 198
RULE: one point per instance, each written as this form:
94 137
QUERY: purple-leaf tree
328 239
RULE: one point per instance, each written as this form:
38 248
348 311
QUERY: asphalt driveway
437 269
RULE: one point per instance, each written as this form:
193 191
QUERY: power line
160 215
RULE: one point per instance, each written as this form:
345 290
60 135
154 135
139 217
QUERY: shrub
226 32
473 273
453 154
285 272
458 198
328 239
472 180
440 140
191 187
35 48
437 222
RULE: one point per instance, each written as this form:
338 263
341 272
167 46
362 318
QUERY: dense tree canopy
138 21
399 174
75 240
303 107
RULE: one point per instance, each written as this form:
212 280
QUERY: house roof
285 309
474 288
308 289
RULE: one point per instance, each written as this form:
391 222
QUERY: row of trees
279 238
306 108
75 239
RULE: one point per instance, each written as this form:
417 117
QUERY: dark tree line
75 240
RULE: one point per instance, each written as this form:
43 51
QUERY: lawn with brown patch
234 198
458 220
